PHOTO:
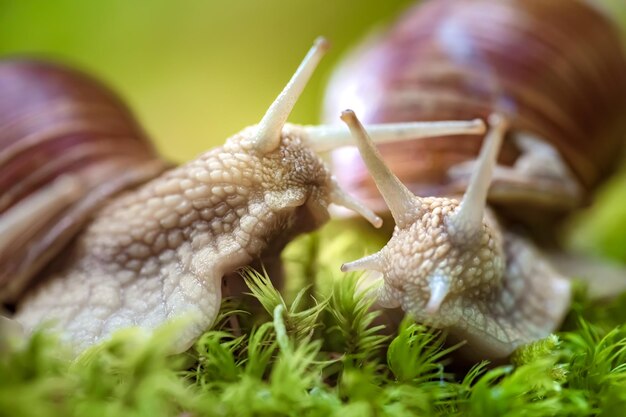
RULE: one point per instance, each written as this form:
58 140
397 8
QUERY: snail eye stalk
466 224
269 129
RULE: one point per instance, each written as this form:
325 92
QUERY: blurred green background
197 71
194 71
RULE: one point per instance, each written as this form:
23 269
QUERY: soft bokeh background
197 71
194 71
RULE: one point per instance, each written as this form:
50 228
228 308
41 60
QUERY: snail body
450 263
556 72
150 245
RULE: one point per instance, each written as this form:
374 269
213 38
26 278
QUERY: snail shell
59 124
555 69
553 73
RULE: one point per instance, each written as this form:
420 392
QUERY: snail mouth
374 284
318 212
310 215
436 309
439 286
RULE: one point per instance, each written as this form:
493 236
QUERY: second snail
555 72
452 263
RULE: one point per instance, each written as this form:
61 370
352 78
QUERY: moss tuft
324 351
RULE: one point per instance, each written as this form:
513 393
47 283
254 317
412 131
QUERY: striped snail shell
555 69
60 126
553 74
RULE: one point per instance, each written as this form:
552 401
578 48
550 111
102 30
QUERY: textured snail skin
161 251
503 293
450 265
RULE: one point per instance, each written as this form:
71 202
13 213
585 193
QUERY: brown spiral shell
556 68
56 122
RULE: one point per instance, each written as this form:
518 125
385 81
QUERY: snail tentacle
539 175
270 127
367 263
324 138
402 203
341 198
466 224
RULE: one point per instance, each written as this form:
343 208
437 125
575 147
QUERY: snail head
283 162
445 255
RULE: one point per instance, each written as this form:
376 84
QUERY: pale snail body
157 251
557 72
451 265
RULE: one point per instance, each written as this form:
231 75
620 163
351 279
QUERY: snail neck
215 213
532 293
159 252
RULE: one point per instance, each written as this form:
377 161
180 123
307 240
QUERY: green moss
320 352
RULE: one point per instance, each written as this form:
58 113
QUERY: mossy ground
322 352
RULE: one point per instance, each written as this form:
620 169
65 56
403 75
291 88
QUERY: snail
449 263
98 233
555 72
